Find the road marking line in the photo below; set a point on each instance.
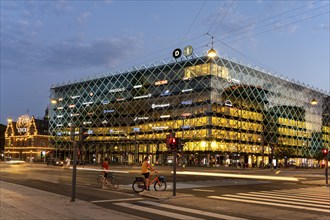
(269, 203)
(116, 200)
(317, 196)
(274, 200)
(302, 191)
(314, 198)
(312, 189)
(285, 198)
(244, 176)
(203, 190)
(156, 211)
(194, 211)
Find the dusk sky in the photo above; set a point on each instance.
(45, 43)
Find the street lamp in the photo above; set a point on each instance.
(324, 151)
(314, 102)
(53, 101)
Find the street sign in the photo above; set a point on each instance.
(177, 53)
(188, 50)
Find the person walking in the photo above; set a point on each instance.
(67, 160)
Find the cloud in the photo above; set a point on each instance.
(63, 7)
(108, 2)
(25, 50)
(102, 52)
(292, 29)
(322, 27)
(9, 5)
(82, 19)
(28, 56)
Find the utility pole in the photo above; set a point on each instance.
(171, 143)
(325, 152)
(74, 170)
(174, 172)
(326, 171)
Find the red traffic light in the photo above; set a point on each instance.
(325, 151)
(172, 141)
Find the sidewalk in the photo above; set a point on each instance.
(20, 202)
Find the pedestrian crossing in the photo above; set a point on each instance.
(156, 208)
(311, 199)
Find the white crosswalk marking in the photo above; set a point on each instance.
(146, 206)
(312, 196)
(284, 197)
(203, 190)
(116, 200)
(195, 211)
(156, 211)
(315, 199)
(250, 196)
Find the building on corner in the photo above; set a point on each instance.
(226, 114)
(28, 139)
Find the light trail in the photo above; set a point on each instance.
(100, 170)
(242, 176)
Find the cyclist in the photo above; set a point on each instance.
(105, 166)
(145, 167)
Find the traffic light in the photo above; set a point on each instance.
(83, 133)
(180, 144)
(171, 141)
(325, 152)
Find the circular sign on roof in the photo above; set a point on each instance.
(177, 53)
(188, 50)
(23, 124)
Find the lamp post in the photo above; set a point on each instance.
(53, 101)
(262, 153)
(136, 149)
(325, 152)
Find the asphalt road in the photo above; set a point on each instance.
(203, 197)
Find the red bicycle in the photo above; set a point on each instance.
(139, 185)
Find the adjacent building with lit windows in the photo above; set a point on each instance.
(226, 114)
(27, 139)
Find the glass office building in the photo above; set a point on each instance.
(226, 114)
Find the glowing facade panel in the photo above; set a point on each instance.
(222, 110)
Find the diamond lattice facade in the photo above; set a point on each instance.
(226, 113)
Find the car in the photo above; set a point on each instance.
(14, 161)
(54, 162)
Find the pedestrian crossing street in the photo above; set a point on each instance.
(155, 208)
(312, 199)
